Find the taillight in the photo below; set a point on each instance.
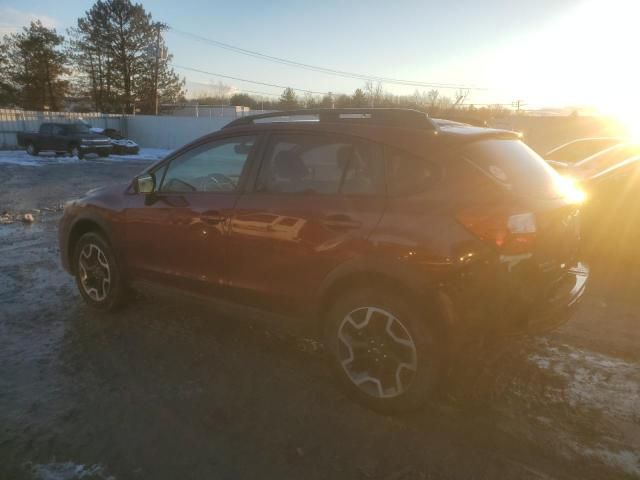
(510, 233)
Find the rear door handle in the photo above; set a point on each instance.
(341, 222)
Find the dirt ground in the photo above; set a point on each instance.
(170, 389)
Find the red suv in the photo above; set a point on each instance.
(392, 234)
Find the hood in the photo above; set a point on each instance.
(91, 136)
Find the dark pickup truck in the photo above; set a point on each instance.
(73, 138)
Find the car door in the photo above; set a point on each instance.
(177, 234)
(312, 207)
(57, 140)
(612, 212)
(45, 137)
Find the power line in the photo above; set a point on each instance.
(315, 68)
(244, 79)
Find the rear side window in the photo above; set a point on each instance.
(408, 174)
(513, 165)
(315, 164)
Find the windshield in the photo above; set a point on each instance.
(515, 166)
(610, 157)
(580, 149)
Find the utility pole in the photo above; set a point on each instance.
(517, 104)
(157, 72)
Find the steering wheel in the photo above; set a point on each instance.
(220, 180)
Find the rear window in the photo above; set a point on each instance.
(515, 166)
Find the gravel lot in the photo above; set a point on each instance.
(170, 389)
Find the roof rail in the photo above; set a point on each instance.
(389, 117)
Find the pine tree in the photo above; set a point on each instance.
(115, 46)
(34, 68)
(8, 92)
(288, 99)
(359, 99)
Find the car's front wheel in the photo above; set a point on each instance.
(75, 151)
(383, 348)
(98, 276)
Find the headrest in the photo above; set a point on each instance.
(288, 165)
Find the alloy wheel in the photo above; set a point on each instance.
(94, 271)
(377, 352)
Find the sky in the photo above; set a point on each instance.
(547, 53)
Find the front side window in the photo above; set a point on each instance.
(214, 167)
(315, 164)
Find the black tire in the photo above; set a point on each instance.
(31, 149)
(417, 374)
(108, 295)
(74, 151)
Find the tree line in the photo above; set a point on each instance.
(114, 61)
(370, 95)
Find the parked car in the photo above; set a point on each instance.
(567, 154)
(391, 236)
(121, 145)
(612, 213)
(73, 138)
(582, 170)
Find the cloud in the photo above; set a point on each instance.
(12, 20)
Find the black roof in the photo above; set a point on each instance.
(375, 118)
(390, 117)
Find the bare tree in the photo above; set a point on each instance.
(374, 92)
(461, 96)
(220, 89)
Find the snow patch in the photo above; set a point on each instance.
(69, 471)
(20, 157)
(594, 380)
(625, 460)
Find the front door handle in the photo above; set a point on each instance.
(341, 222)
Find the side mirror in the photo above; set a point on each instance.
(145, 183)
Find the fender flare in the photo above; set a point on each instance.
(416, 281)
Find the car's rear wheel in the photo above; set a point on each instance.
(31, 149)
(98, 276)
(383, 349)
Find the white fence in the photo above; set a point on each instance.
(147, 130)
(13, 121)
(170, 132)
